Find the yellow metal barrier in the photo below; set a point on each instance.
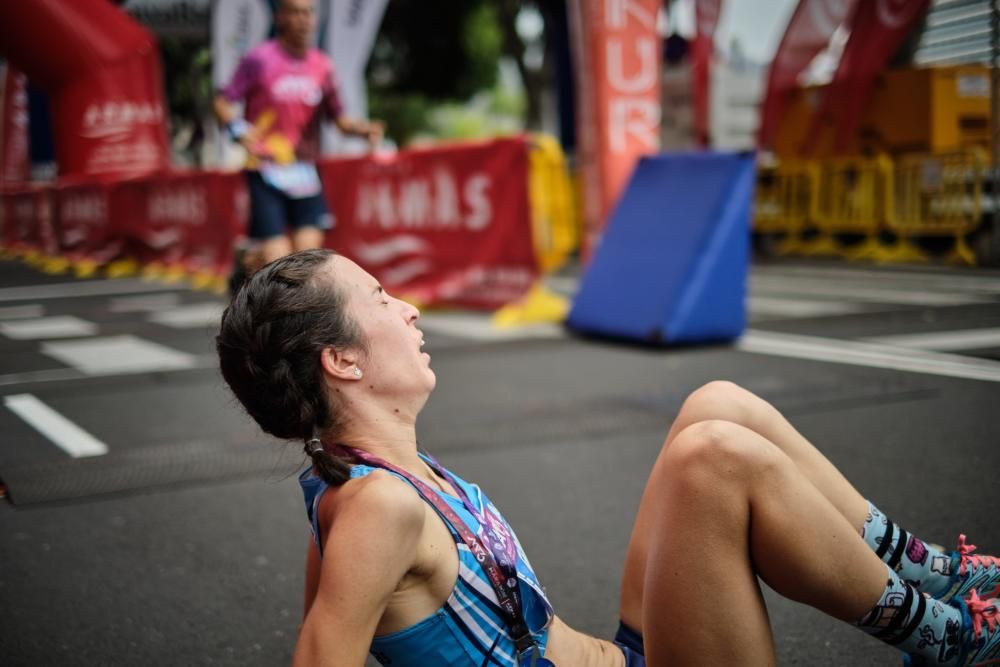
(935, 196)
(553, 208)
(850, 202)
(785, 201)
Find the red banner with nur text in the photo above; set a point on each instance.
(616, 51)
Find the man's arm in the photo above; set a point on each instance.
(239, 130)
(370, 130)
(370, 546)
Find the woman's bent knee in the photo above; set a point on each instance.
(717, 448)
(718, 400)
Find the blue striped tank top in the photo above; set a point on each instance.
(469, 630)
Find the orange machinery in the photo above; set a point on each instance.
(915, 110)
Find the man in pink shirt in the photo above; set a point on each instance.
(285, 84)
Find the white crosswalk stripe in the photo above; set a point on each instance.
(58, 326)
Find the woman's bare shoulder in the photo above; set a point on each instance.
(379, 495)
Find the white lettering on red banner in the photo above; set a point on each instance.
(440, 225)
(186, 206)
(85, 209)
(423, 202)
(112, 119)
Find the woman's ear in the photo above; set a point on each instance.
(340, 364)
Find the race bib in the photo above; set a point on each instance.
(296, 180)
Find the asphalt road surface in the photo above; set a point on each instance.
(147, 522)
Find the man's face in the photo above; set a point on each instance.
(296, 20)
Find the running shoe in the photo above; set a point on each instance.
(970, 571)
(979, 642)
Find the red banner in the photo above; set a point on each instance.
(112, 123)
(617, 61)
(184, 220)
(878, 28)
(27, 220)
(82, 216)
(102, 70)
(15, 162)
(808, 33)
(445, 225)
(702, 50)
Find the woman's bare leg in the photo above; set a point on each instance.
(307, 238)
(729, 402)
(727, 505)
(274, 248)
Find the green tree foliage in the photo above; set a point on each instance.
(435, 54)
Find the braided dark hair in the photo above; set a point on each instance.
(269, 346)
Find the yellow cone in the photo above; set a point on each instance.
(539, 305)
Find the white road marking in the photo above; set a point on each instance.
(873, 355)
(132, 304)
(861, 292)
(80, 289)
(565, 285)
(967, 339)
(768, 306)
(479, 327)
(61, 431)
(22, 312)
(59, 326)
(113, 355)
(192, 316)
(973, 280)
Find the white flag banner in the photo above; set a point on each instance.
(350, 33)
(237, 27)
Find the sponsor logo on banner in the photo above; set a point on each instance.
(438, 201)
(443, 225)
(85, 209)
(184, 205)
(116, 121)
(79, 213)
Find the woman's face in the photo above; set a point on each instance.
(394, 366)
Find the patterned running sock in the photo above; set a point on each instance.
(940, 574)
(918, 563)
(980, 635)
(929, 630)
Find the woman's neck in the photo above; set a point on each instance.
(391, 436)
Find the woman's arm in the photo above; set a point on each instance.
(371, 542)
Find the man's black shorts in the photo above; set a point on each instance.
(271, 210)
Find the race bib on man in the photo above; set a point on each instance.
(297, 179)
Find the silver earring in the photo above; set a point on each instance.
(357, 372)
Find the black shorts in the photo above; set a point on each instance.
(630, 642)
(271, 210)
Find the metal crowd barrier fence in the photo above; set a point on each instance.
(873, 208)
(786, 200)
(848, 214)
(935, 196)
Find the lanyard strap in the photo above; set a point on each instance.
(503, 577)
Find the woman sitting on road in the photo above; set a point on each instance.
(414, 564)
